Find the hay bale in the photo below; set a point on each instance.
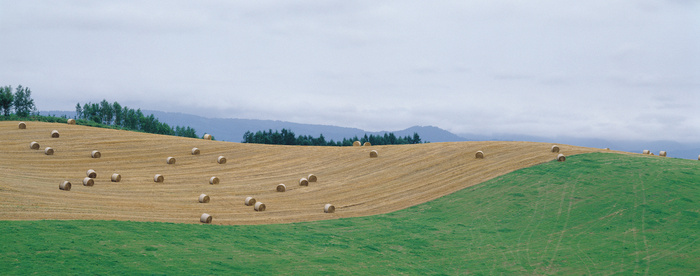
(55, 134)
(329, 208)
(203, 198)
(206, 136)
(312, 178)
(555, 148)
(281, 187)
(195, 151)
(303, 182)
(561, 158)
(116, 177)
(22, 125)
(170, 160)
(71, 121)
(607, 148)
(698, 157)
(249, 201)
(646, 152)
(367, 144)
(91, 173)
(48, 151)
(158, 178)
(65, 185)
(96, 154)
(221, 160)
(34, 145)
(662, 153)
(373, 154)
(205, 218)
(356, 144)
(213, 180)
(259, 206)
(479, 155)
(88, 181)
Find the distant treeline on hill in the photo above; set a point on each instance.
(287, 137)
(126, 118)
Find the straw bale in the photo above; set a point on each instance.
(221, 160)
(195, 151)
(88, 181)
(48, 151)
(214, 180)
(662, 153)
(158, 178)
(303, 182)
(34, 145)
(281, 187)
(96, 154)
(116, 177)
(646, 152)
(71, 121)
(203, 198)
(205, 218)
(329, 208)
(22, 125)
(479, 155)
(312, 178)
(170, 160)
(249, 201)
(55, 134)
(561, 158)
(356, 144)
(367, 144)
(259, 206)
(91, 173)
(373, 154)
(206, 136)
(555, 148)
(65, 185)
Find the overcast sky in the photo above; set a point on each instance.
(627, 69)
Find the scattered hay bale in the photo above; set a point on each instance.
(356, 144)
(561, 158)
(205, 218)
(203, 198)
(55, 134)
(281, 187)
(249, 201)
(329, 208)
(698, 157)
(206, 136)
(34, 145)
(158, 178)
(555, 148)
(65, 185)
(71, 121)
(48, 151)
(367, 144)
(88, 181)
(259, 206)
(373, 154)
(91, 173)
(662, 153)
(651, 153)
(221, 160)
(213, 180)
(116, 177)
(22, 125)
(646, 152)
(96, 154)
(607, 148)
(195, 151)
(303, 182)
(312, 178)
(479, 155)
(170, 160)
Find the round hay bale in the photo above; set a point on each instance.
(158, 178)
(303, 182)
(96, 154)
(561, 158)
(555, 148)
(312, 178)
(356, 144)
(71, 121)
(65, 185)
(329, 208)
(170, 160)
(662, 153)
(88, 181)
(367, 144)
(249, 201)
(213, 180)
(373, 154)
(203, 198)
(195, 151)
(479, 155)
(698, 157)
(607, 148)
(22, 125)
(206, 136)
(116, 177)
(281, 187)
(259, 206)
(55, 134)
(221, 160)
(645, 152)
(34, 145)
(91, 173)
(205, 218)
(48, 151)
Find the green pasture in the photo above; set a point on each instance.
(595, 213)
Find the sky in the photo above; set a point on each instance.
(627, 69)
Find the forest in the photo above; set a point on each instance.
(287, 137)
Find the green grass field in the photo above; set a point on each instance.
(593, 214)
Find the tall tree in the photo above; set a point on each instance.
(6, 99)
(24, 104)
(78, 111)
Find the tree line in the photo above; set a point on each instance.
(114, 114)
(287, 137)
(21, 101)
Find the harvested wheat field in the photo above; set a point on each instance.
(403, 176)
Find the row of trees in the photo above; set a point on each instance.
(114, 114)
(287, 137)
(21, 101)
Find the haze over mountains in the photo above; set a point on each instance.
(232, 130)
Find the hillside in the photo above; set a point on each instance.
(402, 176)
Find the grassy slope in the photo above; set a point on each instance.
(593, 214)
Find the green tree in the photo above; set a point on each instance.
(78, 111)
(24, 104)
(6, 99)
